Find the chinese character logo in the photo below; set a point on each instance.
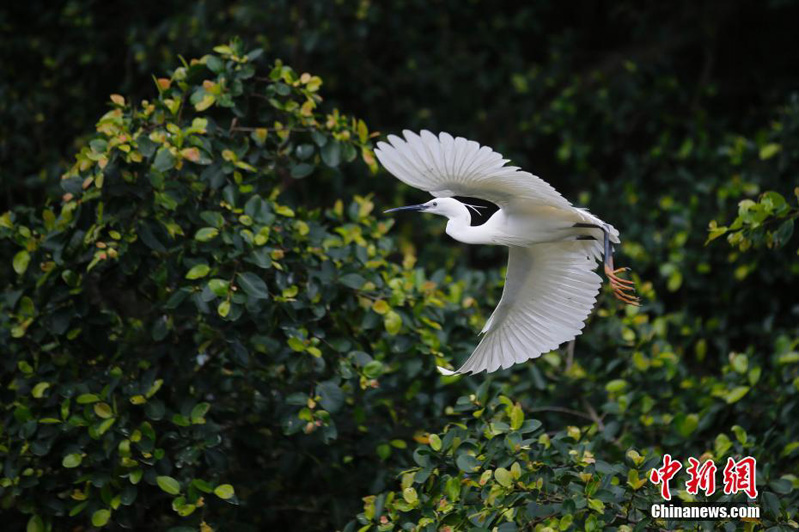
(739, 476)
(703, 477)
(664, 474)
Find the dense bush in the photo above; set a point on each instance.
(707, 367)
(177, 334)
(220, 309)
(485, 71)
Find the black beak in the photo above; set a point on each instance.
(407, 208)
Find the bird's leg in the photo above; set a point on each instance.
(623, 289)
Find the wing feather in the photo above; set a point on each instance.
(550, 290)
(446, 167)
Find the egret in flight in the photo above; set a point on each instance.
(550, 285)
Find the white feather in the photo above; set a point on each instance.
(550, 286)
(550, 290)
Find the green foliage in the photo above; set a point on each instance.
(204, 336)
(768, 221)
(175, 330)
(493, 468)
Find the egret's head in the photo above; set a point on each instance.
(448, 207)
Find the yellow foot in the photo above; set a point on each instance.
(623, 289)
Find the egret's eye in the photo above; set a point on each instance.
(435, 204)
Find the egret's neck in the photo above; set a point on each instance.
(459, 225)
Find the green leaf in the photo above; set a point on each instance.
(224, 308)
(686, 424)
(739, 362)
(87, 398)
(202, 485)
(721, 445)
(224, 491)
(783, 234)
(788, 358)
(516, 417)
(219, 287)
(168, 484)
(301, 170)
(72, 460)
(103, 410)
(392, 322)
(331, 397)
(253, 285)
(205, 234)
(769, 150)
(783, 486)
(35, 524)
(296, 344)
(383, 451)
(736, 394)
(164, 160)
(101, 517)
(103, 427)
(373, 369)
(352, 280)
(467, 463)
(504, 477)
(199, 411)
(197, 272)
(771, 503)
(453, 488)
(435, 442)
(39, 389)
(616, 385)
(596, 505)
(740, 433)
(331, 153)
(21, 261)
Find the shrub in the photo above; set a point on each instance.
(180, 339)
(211, 328)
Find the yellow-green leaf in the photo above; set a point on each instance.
(168, 484)
(35, 524)
(769, 150)
(72, 460)
(199, 271)
(736, 394)
(381, 307)
(101, 517)
(516, 417)
(224, 491)
(207, 101)
(39, 389)
(21, 261)
(504, 477)
(103, 410)
(296, 344)
(392, 322)
(205, 234)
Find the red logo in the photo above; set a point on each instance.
(703, 477)
(664, 474)
(738, 476)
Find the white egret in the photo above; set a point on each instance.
(550, 286)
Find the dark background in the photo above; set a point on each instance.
(483, 70)
(659, 116)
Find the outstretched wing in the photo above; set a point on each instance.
(446, 166)
(550, 289)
